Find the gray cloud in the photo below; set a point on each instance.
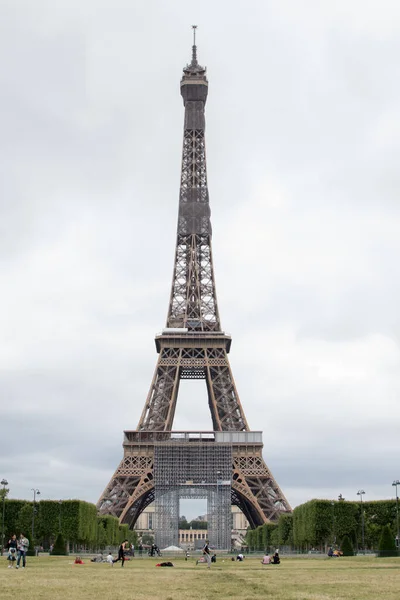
(303, 148)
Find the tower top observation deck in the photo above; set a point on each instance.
(194, 84)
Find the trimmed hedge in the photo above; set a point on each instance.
(319, 523)
(387, 545)
(80, 524)
(347, 546)
(60, 547)
(11, 517)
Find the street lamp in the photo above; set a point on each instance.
(35, 492)
(59, 515)
(361, 493)
(333, 523)
(4, 482)
(219, 511)
(395, 484)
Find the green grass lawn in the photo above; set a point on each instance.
(53, 578)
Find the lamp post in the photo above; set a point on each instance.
(219, 511)
(4, 482)
(333, 523)
(59, 516)
(361, 493)
(35, 492)
(395, 484)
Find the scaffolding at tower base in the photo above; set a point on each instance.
(193, 469)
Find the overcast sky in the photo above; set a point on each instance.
(303, 140)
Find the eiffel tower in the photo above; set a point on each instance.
(226, 465)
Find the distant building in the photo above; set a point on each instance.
(192, 538)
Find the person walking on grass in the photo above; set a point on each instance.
(207, 554)
(12, 551)
(23, 545)
(121, 553)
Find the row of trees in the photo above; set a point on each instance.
(77, 521)
(321, 523)
(193, 524)
(271, 535)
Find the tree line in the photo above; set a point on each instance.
(77, 521)
(321, 523)
(193, 524)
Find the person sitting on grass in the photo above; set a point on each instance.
(110, 559)
(266, 559)
(78, 561)
(275, 559)
(98, 558)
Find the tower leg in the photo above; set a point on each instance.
(159, 409)
(130, 489)
(255, 490)
(224, 402)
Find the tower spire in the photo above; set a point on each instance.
(194, 47)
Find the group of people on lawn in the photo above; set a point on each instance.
(17, 549)
(273, 560)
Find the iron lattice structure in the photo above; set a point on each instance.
(192, 346)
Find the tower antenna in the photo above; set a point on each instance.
(194, 48)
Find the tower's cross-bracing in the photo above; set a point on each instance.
(226, 465)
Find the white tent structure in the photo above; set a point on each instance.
(172, 549)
